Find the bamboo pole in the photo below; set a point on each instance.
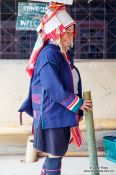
(91, 138)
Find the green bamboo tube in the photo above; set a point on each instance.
(91, 138)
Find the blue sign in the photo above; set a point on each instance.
(27, 23)
(32, 9)
(29, 15)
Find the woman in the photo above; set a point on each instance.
(52, 102)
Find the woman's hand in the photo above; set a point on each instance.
(87, 105)
(80, 118)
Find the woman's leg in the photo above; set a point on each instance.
(50, 141)
(52, 165)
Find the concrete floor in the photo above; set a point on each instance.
(14, 165)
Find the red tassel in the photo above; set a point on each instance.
(76, 138)
(21, 121)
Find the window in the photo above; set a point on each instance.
(13, 44)
(92, 42)
(96, 26)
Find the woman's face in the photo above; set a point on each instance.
(67, 37)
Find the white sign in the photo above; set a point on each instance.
(69, 2)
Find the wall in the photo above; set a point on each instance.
(97, 76)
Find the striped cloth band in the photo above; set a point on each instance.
(73, 103)
(76, 136)
(57, 170)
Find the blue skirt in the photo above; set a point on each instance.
(53, 141)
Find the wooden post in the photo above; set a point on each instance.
(31, 153)
(91, 138)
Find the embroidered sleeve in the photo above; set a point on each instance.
(51, 80)
(73, 103)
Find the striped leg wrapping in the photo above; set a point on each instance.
(53, 166)
(53, 172)
(43, 172)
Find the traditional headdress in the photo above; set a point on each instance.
(53, 26)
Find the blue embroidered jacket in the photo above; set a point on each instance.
(51, 96)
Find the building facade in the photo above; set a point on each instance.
(96, 30)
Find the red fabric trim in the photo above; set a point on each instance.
(76, 138)
(74, 102)
(32, 61)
